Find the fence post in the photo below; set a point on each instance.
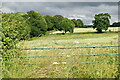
(93, 51)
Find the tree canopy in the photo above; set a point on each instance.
(75, 22)
(38, 23)
(56, 20)
(49, 20)
(78, 23)
(101, 21)
(66, 25)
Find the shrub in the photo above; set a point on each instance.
(14, 28)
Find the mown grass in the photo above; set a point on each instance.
(51, 64)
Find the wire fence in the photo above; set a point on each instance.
(74, 55)
(71, 55)
(71, 47)
(87, 62)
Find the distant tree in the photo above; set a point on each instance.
(66, 25)
(79, 23)
(116, 24)
(37, 22)
(101, 21)
(75, 22)
(49, 20)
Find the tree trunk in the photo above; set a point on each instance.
(99, 31)
(65, 31)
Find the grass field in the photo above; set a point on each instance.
(67, 63)
(76, 30)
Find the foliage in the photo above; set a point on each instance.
(88, 26)
(37, 23)
(14, 28)
(116, 24)
(101, 21)
(49, 20)
(75, 22)
(56, 20)
(78, 23)
(66, 25)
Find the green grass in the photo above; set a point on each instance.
(69, 40)
(73, 67)
(33, 38)
(82, 30)
(69, 66)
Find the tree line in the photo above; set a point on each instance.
(115, 24)
(40, 24)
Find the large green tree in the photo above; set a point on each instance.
(101, 21)
(66, 25)
(37, 23)
(49, 20)
(56, 20)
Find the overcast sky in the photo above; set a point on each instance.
(79, 10)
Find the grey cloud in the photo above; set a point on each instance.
(82, 10)
(60, 0)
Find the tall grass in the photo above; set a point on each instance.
(69, 66)
(52, 65)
